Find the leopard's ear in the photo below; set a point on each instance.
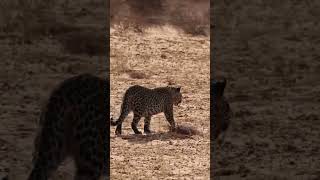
(178, 89)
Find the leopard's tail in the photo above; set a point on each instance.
(125, 110)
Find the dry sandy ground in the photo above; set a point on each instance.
(269, 52)
(152, 60)
(29, 72)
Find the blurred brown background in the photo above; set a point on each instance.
(269, 52)
(191, 16)
(42, 42)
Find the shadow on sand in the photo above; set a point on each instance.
(163, 136)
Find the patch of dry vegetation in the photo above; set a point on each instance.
(191, 16)
(188, 130)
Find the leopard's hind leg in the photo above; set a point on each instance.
(147, 121)
(90, 156)
(135, 121)
(49, 153)
(125, 110)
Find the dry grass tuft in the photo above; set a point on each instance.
(187, 130)
(136, 74)
(170, 82)
(121, 66)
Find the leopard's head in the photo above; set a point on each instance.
(217, 86)
(176, 95)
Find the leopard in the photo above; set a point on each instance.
(74, 123)
(144, 103)
(221, 111)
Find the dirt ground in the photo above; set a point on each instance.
(33, 63)
(269, 52)
(153, 59)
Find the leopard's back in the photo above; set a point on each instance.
(145, 101)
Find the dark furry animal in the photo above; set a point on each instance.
(221, 111)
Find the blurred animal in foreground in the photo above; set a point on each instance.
(73, 124)
(221, 112)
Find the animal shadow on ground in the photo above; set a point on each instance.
(163, 136)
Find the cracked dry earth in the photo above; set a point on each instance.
(153, 59)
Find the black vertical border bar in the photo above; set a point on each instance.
(211, 79)
(107, 91)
